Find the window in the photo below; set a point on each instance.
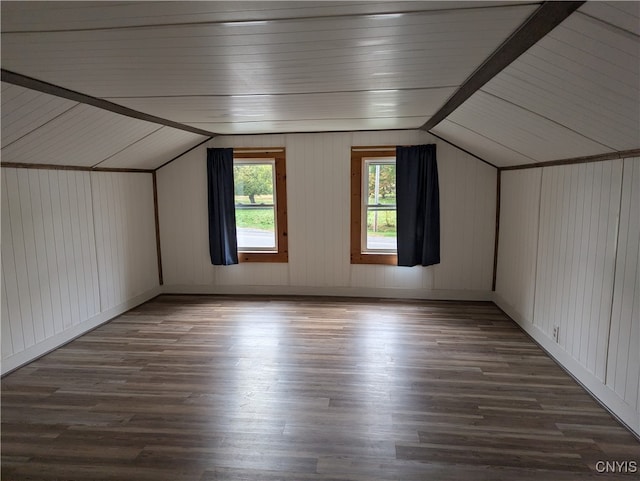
(259, 177)
(373, 205)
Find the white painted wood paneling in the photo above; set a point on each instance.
(52, 245)
(64, 15)
(311, 126)
(318, 66)
(574, 93)
(318, 187)
(350, 53)
(313, 67)
(485, 148)
(54, 278)
(182, 199)
(584, 76)
(521, 130)
(82, 136)
(518, 246)
(7, 335)
(298, 112)
(125, 235)
(577, 246)
(155, 149)
(467, 221)
(49, 272)
(16, 234)
(586, 279)
(293, 107)
(11, 292)
(625, 15)
(318, 179)
(623, 366)
(24, 110)
(31, 255)
(68, 249)
(58, 212)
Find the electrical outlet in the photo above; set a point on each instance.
(556, 333)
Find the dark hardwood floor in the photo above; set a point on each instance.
(246, 388)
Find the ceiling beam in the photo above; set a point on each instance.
(548, 16)
(618, 154)
(81, 168)
(51, 89)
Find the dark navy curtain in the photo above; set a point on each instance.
(223, 244)
(418, 205)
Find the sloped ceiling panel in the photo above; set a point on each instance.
(485, 148)
(296, 60)
(83, 136)
(575, 93)
(522, 131)
(584, 75)
(154, 150)
(24, 110)
(625, 15)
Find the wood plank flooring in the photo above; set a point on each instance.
(202, 388)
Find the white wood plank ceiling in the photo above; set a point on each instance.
(575, 93)
(38, 128)
(272, 67)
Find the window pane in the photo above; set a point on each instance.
(381, 206)
(253, 183)
(381, 183)
(255, 227)
(381, 228)
(255, 210)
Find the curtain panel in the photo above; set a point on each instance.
(223, 244)
(418, 205)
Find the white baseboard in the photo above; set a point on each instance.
(614, 403)
(380, 293)
(48, 345)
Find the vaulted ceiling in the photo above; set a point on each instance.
(134, 84)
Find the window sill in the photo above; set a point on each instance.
(263, 257)
(385, 259)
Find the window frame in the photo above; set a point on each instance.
(358, 235)
(278, 156)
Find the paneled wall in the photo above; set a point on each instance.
(519, 209)
(576, 247)
(72, 255)
(623, 364)
(568, 259)
(49, 268)
(318, 188)
(125, 236)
